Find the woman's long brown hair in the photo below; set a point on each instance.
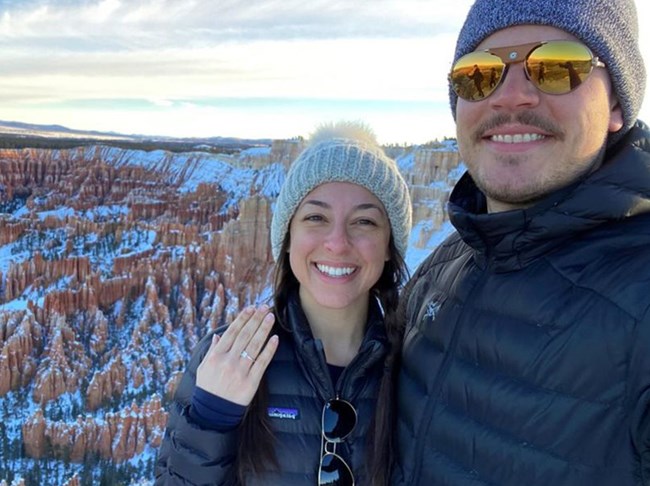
(256, 450)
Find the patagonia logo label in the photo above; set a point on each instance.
(283, 413)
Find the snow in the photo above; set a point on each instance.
(10, 253)
(60, 213)
(135, 242)
(406, 162)
(21, 212)
(204, 167)
(15, 305)
(272, 178)
(256, 151)
(103, 213)
(415, 256)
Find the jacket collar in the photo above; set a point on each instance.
(311, 357)
(299, 326)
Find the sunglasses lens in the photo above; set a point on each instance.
(339, 418)
(559, 67)
(476, 75)
(334, 472)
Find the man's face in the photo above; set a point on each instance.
(520, 144)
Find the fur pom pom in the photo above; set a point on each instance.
(348, 130)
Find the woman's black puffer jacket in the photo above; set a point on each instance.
(299, 384)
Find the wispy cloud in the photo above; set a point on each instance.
(228, 48)
(231, 46)
(166, 22)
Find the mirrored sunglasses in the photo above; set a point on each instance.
(554, 67)
(338, 421)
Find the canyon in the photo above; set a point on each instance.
(114, 263)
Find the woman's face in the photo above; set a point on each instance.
(339, 243)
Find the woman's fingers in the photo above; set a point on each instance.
(235, 362)
(260, 336)
(212, 350)
(249, 330)
(233, 330)
(264, 358)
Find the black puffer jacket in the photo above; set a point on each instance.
(298, 381)
(526, 360)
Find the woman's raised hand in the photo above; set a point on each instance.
(234, 364)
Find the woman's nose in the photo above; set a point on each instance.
(337, 239)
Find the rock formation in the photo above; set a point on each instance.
(119, 268)
(119, 436)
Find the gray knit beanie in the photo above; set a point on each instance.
(608, 27)
(344, 152)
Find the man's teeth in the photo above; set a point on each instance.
(335, 271)
(518, 138)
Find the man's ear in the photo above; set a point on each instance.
(615, 115)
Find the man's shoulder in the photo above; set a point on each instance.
(450, 249)
(439, 267)
(613, 262)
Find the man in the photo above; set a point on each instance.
(526, 357)
(477, 77)
(540, 73)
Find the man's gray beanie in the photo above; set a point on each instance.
(344, 152)
(608, 27)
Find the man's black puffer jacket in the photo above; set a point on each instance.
(298, 381)
(526, 358)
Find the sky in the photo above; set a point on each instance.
(234, 68)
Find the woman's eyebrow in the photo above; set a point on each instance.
(316, 202)
(369, 206)
(359, 207)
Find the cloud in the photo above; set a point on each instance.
(186, 49)
(330, 69)
(189, 22)
(169, 54)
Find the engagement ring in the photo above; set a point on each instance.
(245, 355)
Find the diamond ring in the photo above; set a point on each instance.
(245, 355)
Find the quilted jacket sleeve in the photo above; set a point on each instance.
(189, 454)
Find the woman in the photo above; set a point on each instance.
(313, 403)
